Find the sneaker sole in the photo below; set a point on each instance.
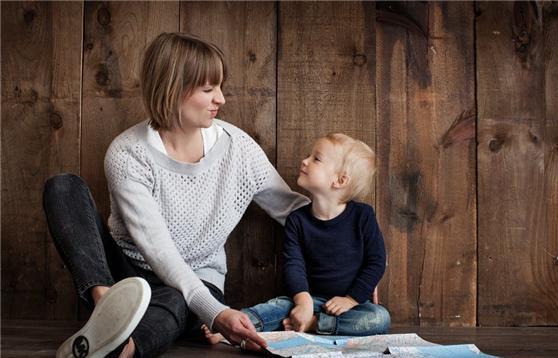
(113, 320)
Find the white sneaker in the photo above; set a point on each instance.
(113, 320)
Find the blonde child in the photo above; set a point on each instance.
(334, 250)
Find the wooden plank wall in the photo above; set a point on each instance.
(41, 116)
(426, 183)
(458, 99)
(517, 163)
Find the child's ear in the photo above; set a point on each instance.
(341, 181)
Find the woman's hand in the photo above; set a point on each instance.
(339, 305)
(235, 326)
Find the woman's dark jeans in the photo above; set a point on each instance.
(94, 258)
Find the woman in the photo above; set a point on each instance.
(179, 183)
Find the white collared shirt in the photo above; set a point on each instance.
(209, 136)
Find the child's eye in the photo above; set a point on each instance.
(208, 90)
(317, 159)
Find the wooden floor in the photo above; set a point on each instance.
(41, 338)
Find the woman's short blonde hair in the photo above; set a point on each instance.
(173, 65)
(358, 163)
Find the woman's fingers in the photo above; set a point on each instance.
(251, 346)
(236, 326)
(251, 332)
(252, 336)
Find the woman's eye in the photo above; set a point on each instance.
(208, 90)
(317, 159)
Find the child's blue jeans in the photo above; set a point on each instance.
(362, 320)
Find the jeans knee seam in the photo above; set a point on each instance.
(260, 320)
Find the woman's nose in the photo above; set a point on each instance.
(305, 162)
(219, 97)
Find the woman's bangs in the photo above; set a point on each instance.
(212, 70)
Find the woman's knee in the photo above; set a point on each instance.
(63, 185)
(163, 322)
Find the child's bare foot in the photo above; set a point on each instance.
(288, 324)
(212, 338)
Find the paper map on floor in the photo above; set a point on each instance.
(302, 345)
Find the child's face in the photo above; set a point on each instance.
(199, 109)
(319, 170)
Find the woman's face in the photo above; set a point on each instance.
(199, 109)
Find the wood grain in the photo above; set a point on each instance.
(517, 87)
(40, 137)
(325, 77)
(426, 183)
(246, 33)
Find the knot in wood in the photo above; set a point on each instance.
(29, 16)
(102, 75)
(359, 59)
(252, 56)
(522, 41)
(55, 120)
(495, 144)
(103, 16)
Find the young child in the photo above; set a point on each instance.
(334, 250)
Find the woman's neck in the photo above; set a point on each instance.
(327, 208)
(183, 144)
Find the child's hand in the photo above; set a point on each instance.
(339, 305)
(301, 317)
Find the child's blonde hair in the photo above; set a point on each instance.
(358, 163)
(173, 65)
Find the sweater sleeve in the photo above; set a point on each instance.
(374, 263)
(131, 192)
(296, 279)
(273, 194)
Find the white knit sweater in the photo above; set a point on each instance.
(174, 218)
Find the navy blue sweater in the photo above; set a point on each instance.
(337, 257)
